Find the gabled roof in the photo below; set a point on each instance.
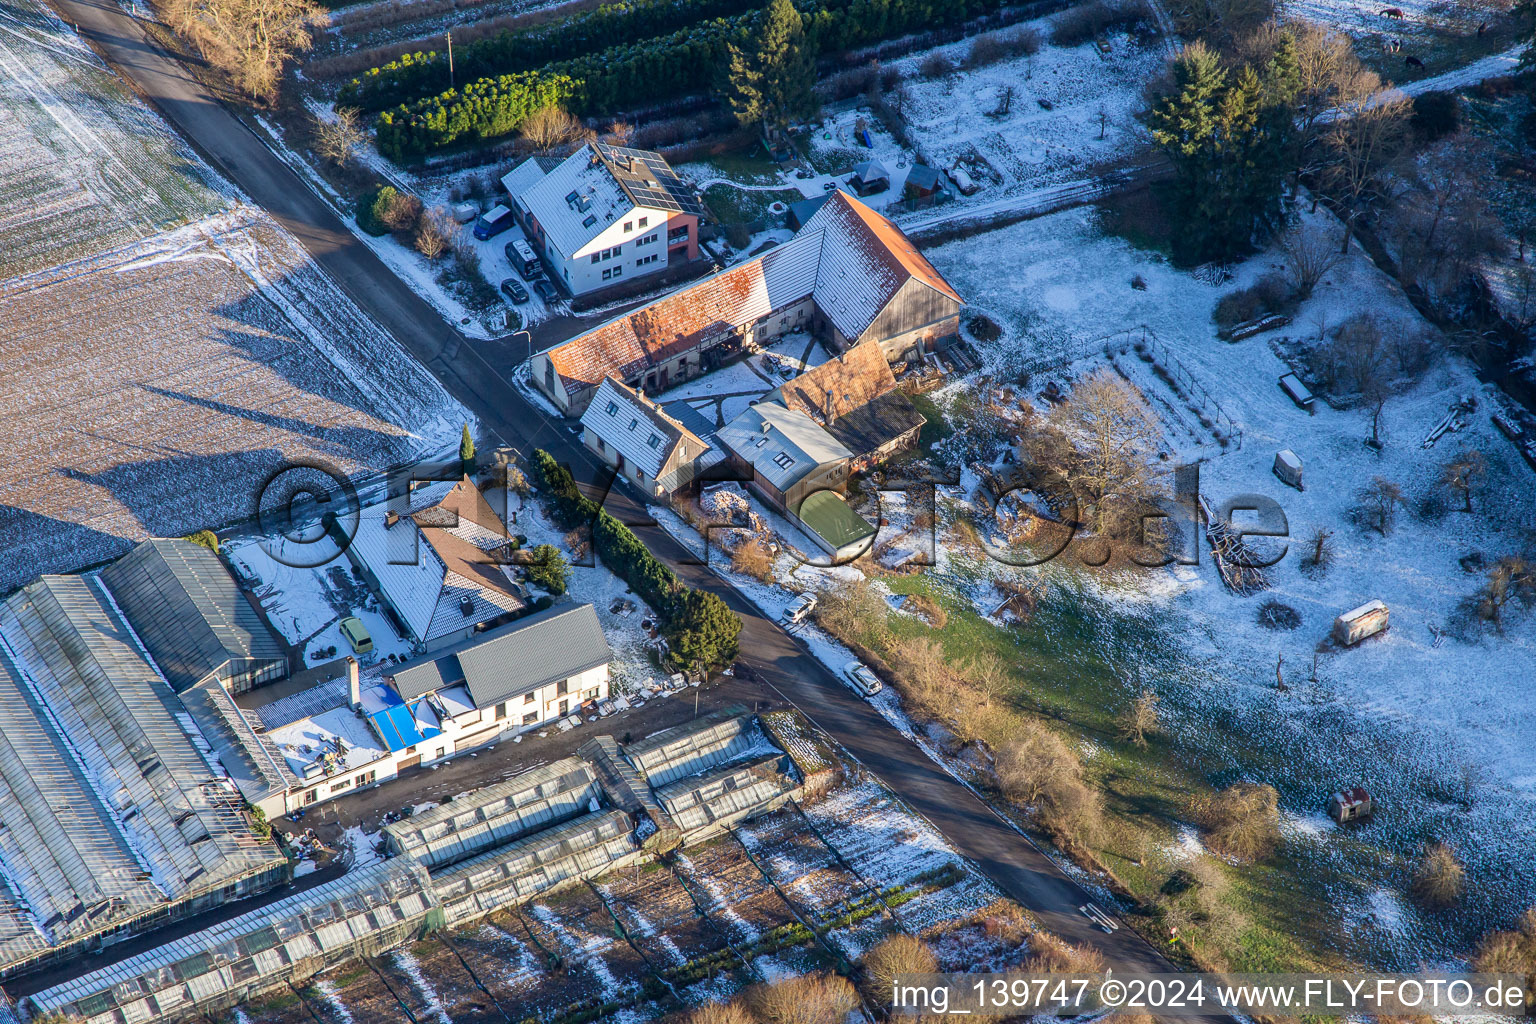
(629, 345)
(849, 258)
(188, 610)
(864, 262)
(597, 185)
(840, 385)
(784, 446)
(523, 177)
(826, 514)
(871, 170)
(870, 427)
(513, 659)
(636, 427)
(437, 555)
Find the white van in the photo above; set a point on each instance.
(525, 262)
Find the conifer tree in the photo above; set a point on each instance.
(467, 450)
(773, 83)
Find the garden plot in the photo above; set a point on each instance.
(1064, 99)
(1431, 715)
(432, 982)
(84, 166)
(661, 919)
(598, 967)
(825, 892)
(280, 1009)
(893, 848)
(506, 963)
(741, 901)
(153, 390)
(360, 994)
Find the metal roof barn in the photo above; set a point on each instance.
(488, 817)
(192, 617)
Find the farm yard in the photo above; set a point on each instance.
(258, 361)
(793, 892)
(84, 167)
(1072, 302)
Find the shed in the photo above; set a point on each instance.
(839, 530)
(1350, 805)
(1359, 623)
(1288, 468)
(923, 181)
(870, 177)
(1296, 390)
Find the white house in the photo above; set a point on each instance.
(656, 452)
(606, 215)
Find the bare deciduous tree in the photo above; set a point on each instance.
(1438, 877)
(1140, 719)
(1380, 500)
(1105, 441)
(1319, 547)
(249, 40)
(1463, 473)
(550, 128)
(1508, 578)
(338, 138)
(1367, 129)
(433, 232)
(1241, 822)
(1309, 254)
(810, 999)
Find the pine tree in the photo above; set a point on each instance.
(773, 83)
(1227, 135)
(467, 450)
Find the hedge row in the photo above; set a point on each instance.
(699, 626)
(485, 109)
(413, 75)
(639, 74)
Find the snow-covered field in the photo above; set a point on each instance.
(153, 389)
(84, 166)
(167, 347)
(1072, 108)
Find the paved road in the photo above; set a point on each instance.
(1014, 864)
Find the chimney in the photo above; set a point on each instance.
(354, 684)
(830, 415)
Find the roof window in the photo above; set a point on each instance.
(613, 408)
(589, 221)
(654, 441)
(783, 460)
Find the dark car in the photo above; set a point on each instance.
(513, 289)
(547, 291)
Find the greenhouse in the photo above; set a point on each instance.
(688, 749)
(706, 804)
(587, 847)
(497, 814)
(362, 913)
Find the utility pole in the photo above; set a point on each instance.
(449, 36)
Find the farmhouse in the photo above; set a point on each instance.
(606, 215)
(435, 557)
(111, 819)
(849, 276)
(854, 397)
(653, 450)
(192, 617)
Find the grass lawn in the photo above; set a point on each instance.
(739, 206)
(1068, 664)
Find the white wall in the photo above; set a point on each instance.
(581, 275)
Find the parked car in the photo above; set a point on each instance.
(494, 221)
(513, 289)
(520, 254)
(356, 634)
(863, 680)
(801, 609)
(547, 291)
